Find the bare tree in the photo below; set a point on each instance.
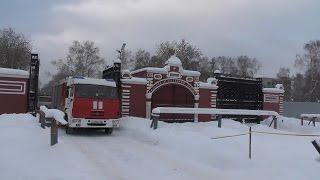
(247, 67)
(226, 65)
(15, 49)
(142, 59)
(83, 59)
(283, 77)
(310, 63)
(189, 54)
(241, 66)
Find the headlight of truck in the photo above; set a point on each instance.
(76, 120)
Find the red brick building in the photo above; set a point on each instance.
(173, 86)
(13, 90)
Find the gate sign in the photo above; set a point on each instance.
(271, 98)
(158, 84)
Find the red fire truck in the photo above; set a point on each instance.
(88, 103)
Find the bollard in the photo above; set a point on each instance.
(275, 125)
(54, 132)
(42, 120)
(219, 121)
(250, 142)
(154, 121)
(301, 121)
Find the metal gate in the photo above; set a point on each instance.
(239, 93)
(173, 96)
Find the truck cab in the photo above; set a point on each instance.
(88, 103)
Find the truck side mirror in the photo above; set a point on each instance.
(67, 92)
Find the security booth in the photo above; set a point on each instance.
(13, 90)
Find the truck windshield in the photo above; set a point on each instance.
(96, 91)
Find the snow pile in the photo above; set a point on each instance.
(54, 113)
(310, 115)
(177, 110)
(7, 72)
(173, 61)
(174, 151)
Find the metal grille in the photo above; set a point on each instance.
(239, 93)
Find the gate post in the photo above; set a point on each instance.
(275, 120)
(196, 116)
(148, 105)
(54, 132)
(219, 121)
(154, 122)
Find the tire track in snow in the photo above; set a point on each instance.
(103, 164)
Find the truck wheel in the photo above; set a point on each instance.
(108, 130)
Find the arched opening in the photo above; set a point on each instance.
(173, 95)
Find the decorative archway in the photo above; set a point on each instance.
(174, 92)
(164, 82)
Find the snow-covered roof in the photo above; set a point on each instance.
(190, 73)
(217, 71)
(278, 89)
(151, 69)
(17, 73)
(135, 80)
(205, 85)
(117, 60)
(165, 71)
(173, 61)
(86, 80)
(272, 90)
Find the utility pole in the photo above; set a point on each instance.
(121, 51)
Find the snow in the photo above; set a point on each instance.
(151, 69)
(54, 113)
(190, 73)
(117, 60)
(170, 110)
(278, 89)
(86, 80)
(217, 71)
(135, 80)
(310, 115)
(204, 85)
(174, 151)
(7, 72)
(174, 61)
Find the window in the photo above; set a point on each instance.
(158, 76)
(189, 79)
(174, 74)
(96, 91)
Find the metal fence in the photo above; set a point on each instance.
(295, 109)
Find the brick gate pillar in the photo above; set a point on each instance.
(273, 98)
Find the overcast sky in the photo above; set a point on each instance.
(273, 31)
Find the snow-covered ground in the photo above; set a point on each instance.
(174, 151)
